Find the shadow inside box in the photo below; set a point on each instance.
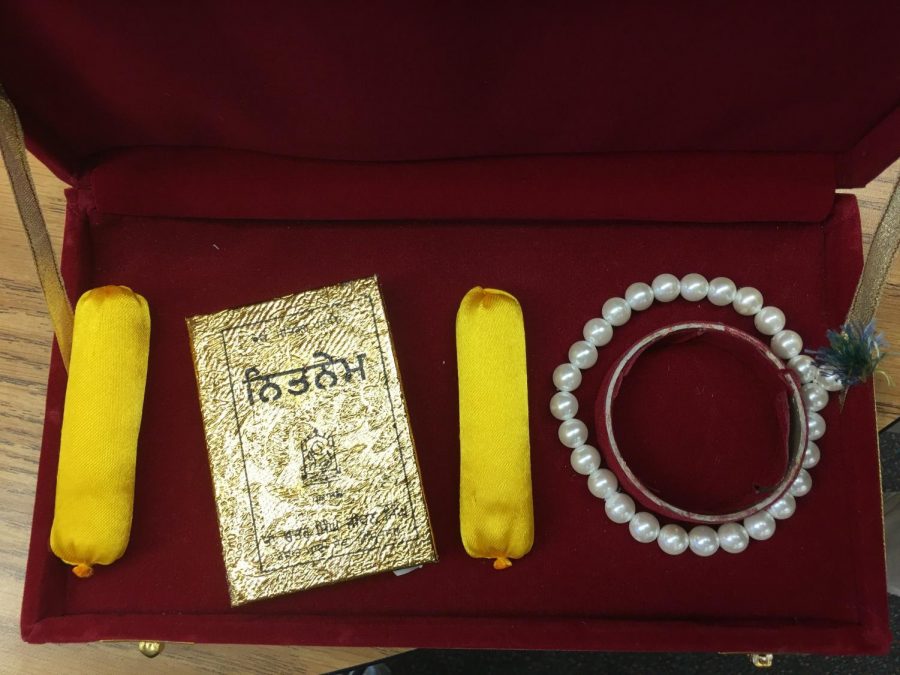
(889, 441)
(440, 661)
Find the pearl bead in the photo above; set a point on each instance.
(583, 354)
(563, 405)
(598, 332)
(760, 526)
(721, 291)
(620, 508)
(639, 296)
(805, 367)
(603, 483)
(769, 320)
(566, 377)
(673, 539)
(733, 538)
(786, 344)
(694, 287)
(814, 396)
(585, 459)
(747, 301)
(830, 381)
(644, 527)
(802, 484)
(783, 508)
(816, 424)
(704, 540)
(573, 433)
(812, 455)
(666, 287)
(616, 311)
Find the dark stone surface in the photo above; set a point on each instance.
(440, 661)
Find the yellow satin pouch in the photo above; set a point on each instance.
(101, 421)
(496, 516)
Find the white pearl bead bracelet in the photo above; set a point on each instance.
(702, 540)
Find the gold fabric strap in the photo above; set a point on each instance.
(12, 145)
(884, 245)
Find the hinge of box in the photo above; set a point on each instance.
(762, 660)
(151, 648)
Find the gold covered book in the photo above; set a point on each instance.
(311, 452)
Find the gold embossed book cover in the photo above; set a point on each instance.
(312, 456)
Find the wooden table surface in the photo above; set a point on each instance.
(25, 334)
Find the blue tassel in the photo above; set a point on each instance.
(853, 353)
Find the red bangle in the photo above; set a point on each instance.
(792, 414)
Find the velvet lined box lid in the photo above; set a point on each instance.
(412, 81)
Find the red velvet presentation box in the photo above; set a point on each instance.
(222, 154)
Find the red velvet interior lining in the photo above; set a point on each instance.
(586, 584)
(702, 422)
(418, 80)
(203, 183)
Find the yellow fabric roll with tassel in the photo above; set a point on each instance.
(101, 421)
(496, 515)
